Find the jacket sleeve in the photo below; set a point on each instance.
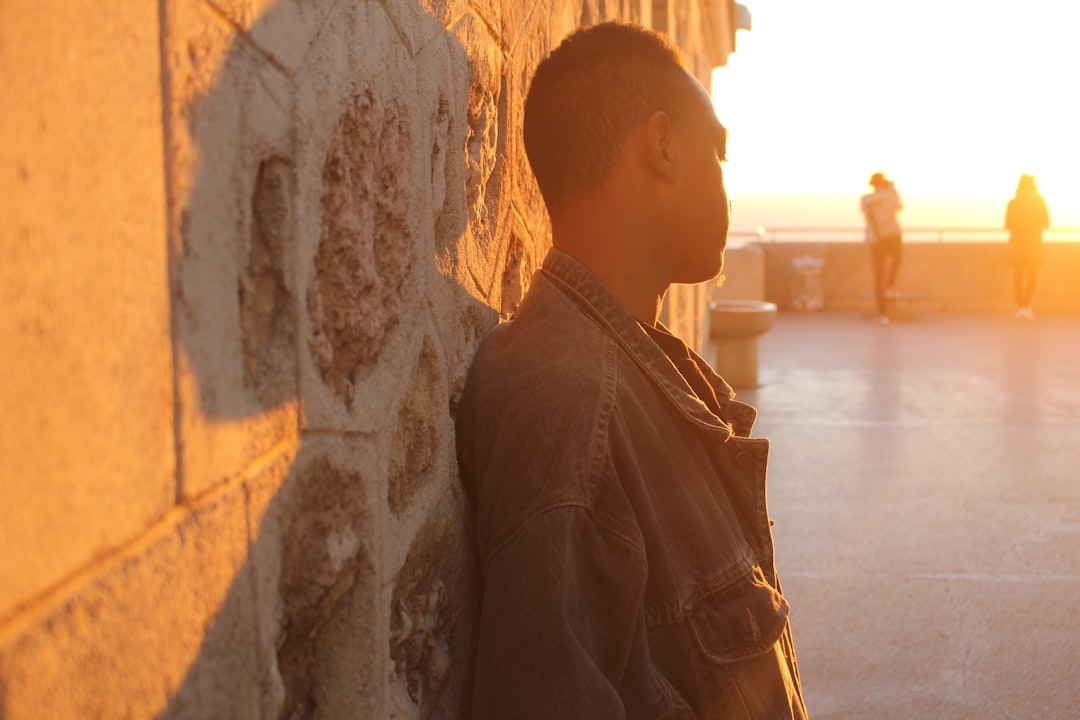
(562, 627)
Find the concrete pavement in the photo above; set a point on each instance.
(924, 483)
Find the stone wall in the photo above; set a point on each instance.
(248, 249)
(950, 276)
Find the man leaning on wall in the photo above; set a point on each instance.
(620, 502)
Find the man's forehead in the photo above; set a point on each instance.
(712, 125)
(703, 105)
(717, 127)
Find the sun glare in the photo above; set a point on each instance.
(953, 100)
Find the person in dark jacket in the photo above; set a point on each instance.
(621, 521)
(1026, 217)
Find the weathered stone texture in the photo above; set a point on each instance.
(507, 19)
(527, 201)
(164, 629)
(266, 516)
(441, 70)
(518, 265)
(459, 323)
(415, 26)
(417, 437)
(482, 142)
(364, 160)
(366, 245)
(433, 620)
(470, 257)
(232, 234)
(267, 308)
(328, 640)
(284, 29)
(86, 431)
(444, 12)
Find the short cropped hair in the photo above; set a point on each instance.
(588, 95)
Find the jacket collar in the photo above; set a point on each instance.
(590, 295)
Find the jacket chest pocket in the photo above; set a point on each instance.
(744, 619)
(746, 666)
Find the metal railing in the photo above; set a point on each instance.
(911, 234)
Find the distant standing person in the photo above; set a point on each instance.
(1025, 218)
(884, 236)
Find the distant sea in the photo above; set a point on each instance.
(805, 216)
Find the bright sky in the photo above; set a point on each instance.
(952, 99)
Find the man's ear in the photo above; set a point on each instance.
(659, 147)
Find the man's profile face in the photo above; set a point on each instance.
(700, 226)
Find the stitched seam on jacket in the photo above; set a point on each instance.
(600, 451)
(598, 446)
(756, 650)
(616, 527)
(559, 506)
(657, 615)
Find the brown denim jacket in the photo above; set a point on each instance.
(621, 526)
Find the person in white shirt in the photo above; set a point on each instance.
(885, 237)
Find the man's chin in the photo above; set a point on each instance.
(704, 272)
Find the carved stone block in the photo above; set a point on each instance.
(366, 248)
(233, 236)
(433, 621)
(328, 554)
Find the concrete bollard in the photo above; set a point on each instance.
(734, 329)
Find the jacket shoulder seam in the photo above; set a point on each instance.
(596, 518)
(598, 452)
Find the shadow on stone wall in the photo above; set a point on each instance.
(345, 175)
